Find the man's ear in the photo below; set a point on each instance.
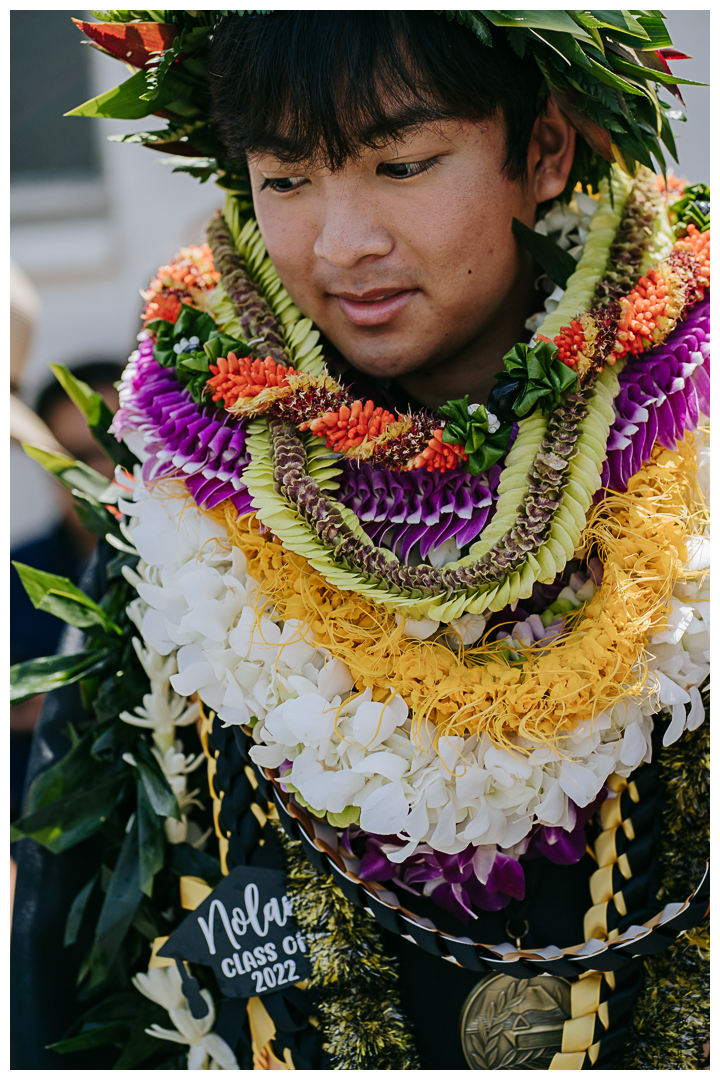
(550, 154)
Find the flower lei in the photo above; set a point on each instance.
(397, 699)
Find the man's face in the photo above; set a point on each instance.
(406, 257)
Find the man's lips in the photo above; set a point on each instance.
(374, 307)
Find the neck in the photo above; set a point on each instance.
(472, 370)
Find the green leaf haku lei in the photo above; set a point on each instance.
(599, 68)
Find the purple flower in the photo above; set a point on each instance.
(452, 881)
(401, 509)
(202, 446)
(662, 393)
(475, 877)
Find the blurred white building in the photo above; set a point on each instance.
(92, 220)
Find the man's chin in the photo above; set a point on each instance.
(383, 359)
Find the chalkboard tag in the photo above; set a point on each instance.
(245, 931)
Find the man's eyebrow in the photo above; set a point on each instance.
(393, 128)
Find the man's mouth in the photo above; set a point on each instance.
(374, 307)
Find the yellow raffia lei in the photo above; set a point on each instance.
(641, 537)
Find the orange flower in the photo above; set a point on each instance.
(245, 378)
(351, 426)
(438, 455)
(164, 306)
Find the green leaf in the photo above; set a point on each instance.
(93, 1036)
(619, 20)
(653, 24)
(160, 795)
(195, 361)
(187, 860)
(94, 516)
(124, 102)
(98, 415)
(74, 474)
(77, 911)
(556, 263)
(193, 323)
(88, 401)
(139, 1045)
(652, 73)
(151, 841)
(58, 596)
(50, 672)
(474, 21)
(68, 820)
(559, 21)
(121, 902)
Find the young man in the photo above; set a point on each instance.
(443, 709)
(386, 174)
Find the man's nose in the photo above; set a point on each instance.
(350, 231)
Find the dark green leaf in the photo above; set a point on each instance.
(635, 70)
(194, 361)
(151, 841)
(121, 902)
(64, 777)
(139, 1045)
(556, 263)
(58, 596)
(94, 516)
(474, 21)
(116, 451)
(93, 1036)
(620, 20)
(77, 911)
(185, 859)
(68, 820)
(49, 672)
(653, 24)
(160, 794)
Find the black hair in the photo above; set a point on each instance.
(96, 373)
(319, 85)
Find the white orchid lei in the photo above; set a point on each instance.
(341, 749)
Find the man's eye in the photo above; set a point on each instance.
(282, 184)
(403, 170)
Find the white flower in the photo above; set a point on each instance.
(186, 345)
(201, 610)
(493, 422)
(164, 986)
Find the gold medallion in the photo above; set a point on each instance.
(511, 1023)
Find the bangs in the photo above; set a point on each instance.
(318, 87)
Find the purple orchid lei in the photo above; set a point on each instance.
(405, 508)
(662, 394)
(206, 448)
(477, 877)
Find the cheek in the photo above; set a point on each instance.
(289, 238)
(471, 249)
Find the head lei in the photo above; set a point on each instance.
(602, 68)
